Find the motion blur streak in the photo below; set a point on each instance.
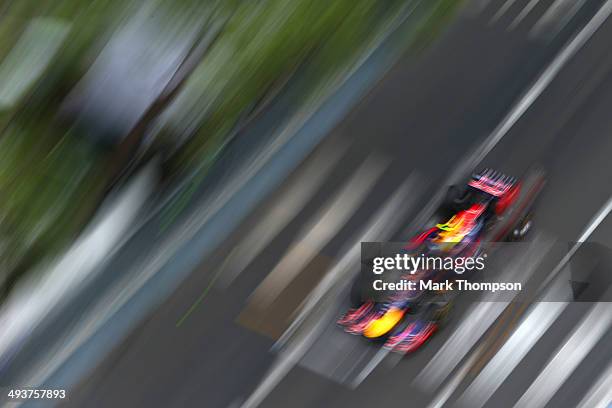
(298, 339)
(372, 364)
(30, 304)
(449, 388)
(285, 362)
(29, 58)
(478, 319)
(567, 358)
(276, 137)
(510, 355)
(541, 84)
(600, 394)
(482, 316)
(502, 10)
(557, 15)
(329, 221)
(517, 20)
(533, 326)
(284, 210)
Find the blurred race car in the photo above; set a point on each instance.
(490, 207)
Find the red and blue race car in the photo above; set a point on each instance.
(490, 207)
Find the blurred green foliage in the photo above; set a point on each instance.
(52, 177)
(262, 45)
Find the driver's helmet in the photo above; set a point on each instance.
(462, 227)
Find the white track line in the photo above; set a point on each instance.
(600, 394)
(533, 327)
(372, 364)
(582, 340)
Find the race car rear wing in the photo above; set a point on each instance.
(492, 182)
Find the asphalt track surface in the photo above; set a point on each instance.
(424, 117)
